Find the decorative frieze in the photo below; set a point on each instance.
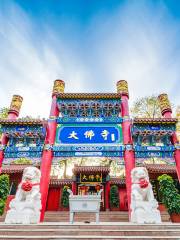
(89, 109)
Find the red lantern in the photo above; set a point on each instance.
(98, 187)
(82, 188)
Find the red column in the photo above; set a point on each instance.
(129, 156)
(177, 159)
(166, 111)
(175, 142)
(49, 141)
(129, 159)
(13, 113)
(4, 141)
(107, 195)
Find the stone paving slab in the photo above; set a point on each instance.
(88, 237)
(90, 230)
(94, 224)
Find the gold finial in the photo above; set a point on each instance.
(58, 87)
(122, 87)
(164, 103)
(16, 104)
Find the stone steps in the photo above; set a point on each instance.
(90, 231)
(113, 225)
(119, 216)
(102, 232)
(100, 226)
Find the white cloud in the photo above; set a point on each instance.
(140, 43)
(28, 68)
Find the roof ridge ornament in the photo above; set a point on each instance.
(122, 87)
(16, 104)
(58, 87)
(164, 103)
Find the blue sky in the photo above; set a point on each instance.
(90, 44)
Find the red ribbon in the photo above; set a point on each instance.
(143, 183)
(27, 186)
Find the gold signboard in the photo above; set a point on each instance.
(91, 178)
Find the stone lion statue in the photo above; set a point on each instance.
(143, 204)
(25, 207)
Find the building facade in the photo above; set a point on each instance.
(89, 142)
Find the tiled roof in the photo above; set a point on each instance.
(57, 182)
(89, 95)
(155, 120)
(160, 168)
(117, 181)
(15, 168)
(152, 168)
(90, 169)
(22, 121)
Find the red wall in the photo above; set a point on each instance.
(123, 199)
(53, 200)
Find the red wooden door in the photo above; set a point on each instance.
(53, 199)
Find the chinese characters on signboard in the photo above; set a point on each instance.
(88, 178)
(90, 134)
(77, 135)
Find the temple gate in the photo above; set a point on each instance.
(93, 127)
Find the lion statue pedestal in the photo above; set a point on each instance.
(143, 204)
(25, 207)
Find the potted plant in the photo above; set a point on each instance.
(162, 207)
(65, 199)
(114, 198)
(170, 196)
(4, 190)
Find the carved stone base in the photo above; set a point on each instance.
(145, 212)
(26, 216)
